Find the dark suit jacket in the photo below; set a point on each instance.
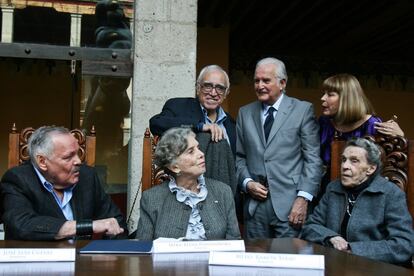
(186, 112)
(30, 212)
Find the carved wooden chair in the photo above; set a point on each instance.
(397, 162)
(18, 149)
(151, 174)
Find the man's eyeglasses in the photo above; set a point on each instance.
(208, 88)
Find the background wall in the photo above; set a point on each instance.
(28, 89)
(389, 99)
(213, 48)
(390, 94)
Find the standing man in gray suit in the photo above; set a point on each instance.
(277, 156)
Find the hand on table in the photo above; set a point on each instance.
(339, 243)
(107, 226)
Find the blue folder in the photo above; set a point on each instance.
(117, 247)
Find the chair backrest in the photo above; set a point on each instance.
(397, 161)
(18, 149)
(151, 174)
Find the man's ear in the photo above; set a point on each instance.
(41, 162)
(197, 92)
(283, 83)
(371, 169)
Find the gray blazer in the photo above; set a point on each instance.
(380, 227)
(290, 159)
(163, 216)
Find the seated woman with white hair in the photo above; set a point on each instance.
(187, 205)
(363, 213)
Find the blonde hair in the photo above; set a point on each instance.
(353, 104)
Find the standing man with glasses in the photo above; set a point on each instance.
(277, 156)
(201, 114)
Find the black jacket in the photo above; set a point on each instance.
(30, 212)
(186, 112)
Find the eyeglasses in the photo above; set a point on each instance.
(207, 88)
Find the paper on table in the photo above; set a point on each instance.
(174, 246)
(37, 254)
(180, 257)
(267, 260)
(40, 268)
(264, 271)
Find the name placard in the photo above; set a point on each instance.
(197, 246)
(192, 261)
(38, 268)
(267, 260)
(266, 271)
(184, 258)
(37, 254)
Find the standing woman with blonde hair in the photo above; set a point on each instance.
(347, 113)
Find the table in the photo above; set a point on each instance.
(336, 262)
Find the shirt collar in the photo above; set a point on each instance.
(184, 194)
(46, 184)
(276, 105)
(221, 115)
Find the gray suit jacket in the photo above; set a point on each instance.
(290, 158)
(163, 216)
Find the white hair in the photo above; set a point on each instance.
(280, 68)
(210, 68)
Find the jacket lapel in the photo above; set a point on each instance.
(196, 109)
(51, 203)
(257, 120)
(284, 109)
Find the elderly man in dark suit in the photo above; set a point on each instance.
(202, 114)
(54, 197)
(277, 158)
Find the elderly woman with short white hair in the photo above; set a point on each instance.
(362, 212)
(187, 205)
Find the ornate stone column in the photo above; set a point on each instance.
(164, 67)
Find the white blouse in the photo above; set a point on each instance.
(195, 229)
